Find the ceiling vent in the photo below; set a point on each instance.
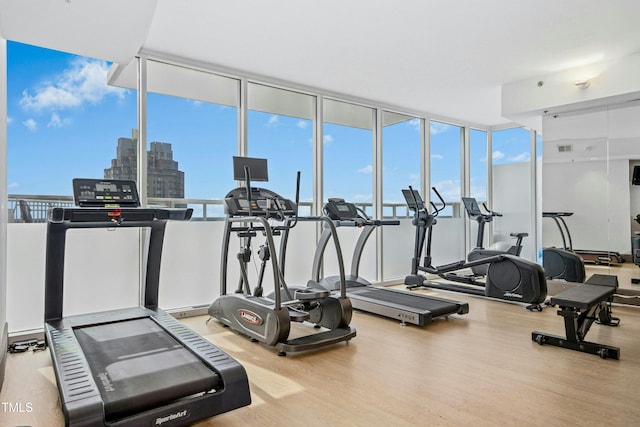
(565, 148)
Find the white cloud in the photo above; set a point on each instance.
(31, 124)
(13, 185)
(57, 122)
(366, 169)
(497, 155)
(302, 124)
(414, 123)
(9, 120)
(327, 139)
(449, 189)
(522, 157)
(85, 81)
(437, 157)
(273, 121)
(437, 127)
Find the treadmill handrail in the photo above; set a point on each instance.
(61, 220)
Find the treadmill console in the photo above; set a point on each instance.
(338, 209)
(113, 201)
(105, 193)
(263, 202)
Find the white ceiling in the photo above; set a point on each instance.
(447, 58)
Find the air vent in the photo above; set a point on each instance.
(565, 148)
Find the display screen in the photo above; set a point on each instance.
(105, 192)
(100, 186)
(257, 168)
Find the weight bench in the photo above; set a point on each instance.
(581, 306)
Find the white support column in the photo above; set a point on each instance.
(377, 188)
(242, 118)
(142, 130)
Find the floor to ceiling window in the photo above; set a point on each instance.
(512, 194)
(280, 128)
(348, 136)
(192, 136)
(445, 167)
(401, 154)
(64, 122)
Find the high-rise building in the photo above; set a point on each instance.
(163, 177)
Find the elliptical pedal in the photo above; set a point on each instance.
(297, 315)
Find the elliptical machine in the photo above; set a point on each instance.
(267, 319)
(508, 277)
(479, 252)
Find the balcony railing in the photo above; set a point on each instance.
(35, 208)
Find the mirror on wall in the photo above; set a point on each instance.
(587, 167)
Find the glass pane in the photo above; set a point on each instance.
(448, 234)
(401, 142)
(348, 153)
(192, 135)
(191, 138)
(64, 122)
(348, 174)
(512, 196)
(280, 129)
(478, 164)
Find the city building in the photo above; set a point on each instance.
(164, 179)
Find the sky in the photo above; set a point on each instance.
(64, 122)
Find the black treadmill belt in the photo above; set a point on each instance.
(436, 306)
(138, 366)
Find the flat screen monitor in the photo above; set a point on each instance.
(257, 168)
(636, 175)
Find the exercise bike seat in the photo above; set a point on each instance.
(518, 234)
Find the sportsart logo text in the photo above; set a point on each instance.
(250, 317)
(180, 414)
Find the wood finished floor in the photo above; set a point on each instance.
(477, 369)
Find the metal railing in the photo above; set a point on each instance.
(34, 208)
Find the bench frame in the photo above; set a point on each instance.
(580, 307)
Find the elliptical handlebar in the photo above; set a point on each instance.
(295, 215)
(444, 204)
(491, 213)
(247, 181)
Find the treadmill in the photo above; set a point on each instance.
(591, 256)
(135, 366)
(408, 307)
